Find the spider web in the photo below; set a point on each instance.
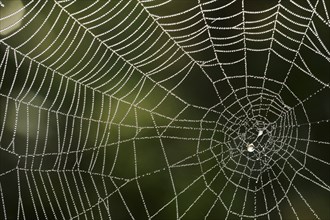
(161, 109)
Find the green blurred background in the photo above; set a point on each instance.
(90, 130)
